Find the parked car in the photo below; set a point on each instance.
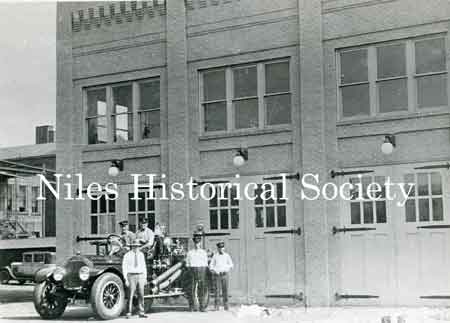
(98, 279)
(26, 270)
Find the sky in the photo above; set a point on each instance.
(27, 70)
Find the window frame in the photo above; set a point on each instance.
(99, 214)
(135, 112)
(373, 81)
(230, 99)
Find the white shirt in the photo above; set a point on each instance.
(221, 263)
(146, 236)
(197, 258)
(134, 263)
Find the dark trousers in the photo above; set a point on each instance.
(137, 283)
(221, 286)
(199, 286)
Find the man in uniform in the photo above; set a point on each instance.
(197, 262)
(126, 236)
(146, 237)
(135, 274)
(220, 266)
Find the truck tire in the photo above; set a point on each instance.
(4, 277)
(47, 303)
(108, 296)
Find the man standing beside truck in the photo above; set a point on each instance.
(197, 262)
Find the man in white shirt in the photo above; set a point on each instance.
(197, 262)
(220, 266)
(146, 237)
(135, 273)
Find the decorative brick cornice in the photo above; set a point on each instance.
(117, 13)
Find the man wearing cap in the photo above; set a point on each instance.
(126, 236)
(145, 236)
(220, 266)
(135, 274)
(197, 261)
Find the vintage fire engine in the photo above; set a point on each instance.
(98, 280)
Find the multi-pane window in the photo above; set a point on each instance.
(270, 212)
(425, 202)
(401, 76)
(96, 116)
(22, 198)
(34, 199)
(224, 209)
(149, 109)
(103, 215)
(111, 111)
(365, 209)
(246, 97)
(122, 114)
(143, 208)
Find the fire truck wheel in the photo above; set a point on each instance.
(108, 296)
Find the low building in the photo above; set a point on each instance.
(292, 86)
(26, 223)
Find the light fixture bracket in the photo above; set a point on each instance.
(243, 152)
(390, 138)
(117, 163)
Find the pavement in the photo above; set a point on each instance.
(16, 306)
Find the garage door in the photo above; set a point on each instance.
(260, 236)
(394, 254)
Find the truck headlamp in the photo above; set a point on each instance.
(83, 273)
(58, 274)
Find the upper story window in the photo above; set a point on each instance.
(246, 97)
(397, 77)
(111, 111)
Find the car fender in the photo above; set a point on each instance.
(98, 273)
(43, 273)
(10, 272)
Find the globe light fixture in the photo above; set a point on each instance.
(240, 158)
(115, 168)
(388, 145)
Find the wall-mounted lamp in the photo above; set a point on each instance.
(388, 145)
(241, 157)
(115, 168)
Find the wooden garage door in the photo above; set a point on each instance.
(393, 254)
(260, 236)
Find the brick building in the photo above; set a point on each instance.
(301, 86)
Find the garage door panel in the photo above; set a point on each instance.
(278, 276)
(380, 260)
(258, 263)
(355, 275)
(236, 251)
(435, 263)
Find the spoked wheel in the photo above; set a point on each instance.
(108, 296)
(47, 302)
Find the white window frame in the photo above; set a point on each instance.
(372, 79)
(109, 110)
(229, 97)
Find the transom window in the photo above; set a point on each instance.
(224, 212)
(365, 210)
(269, 212)
(425, 203)
(103, 215)
(110, 112)
(144, 208)
(246, 97)
(409, 75)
